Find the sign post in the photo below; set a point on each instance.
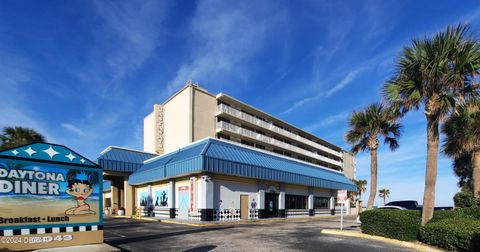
(50, 196)
(342, 199)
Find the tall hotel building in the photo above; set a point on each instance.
(213, 157)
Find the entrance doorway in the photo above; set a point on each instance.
(183, 202)
(271, 204)
(244, 207)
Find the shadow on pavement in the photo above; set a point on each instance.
(201, 249)
(163, 235)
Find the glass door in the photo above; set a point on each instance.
(271, 204)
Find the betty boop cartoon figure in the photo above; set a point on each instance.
(81, 190)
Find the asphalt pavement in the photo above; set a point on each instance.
(138, 235)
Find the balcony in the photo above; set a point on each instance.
(269, 126)
(266, 139)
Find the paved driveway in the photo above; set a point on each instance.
(134, 235)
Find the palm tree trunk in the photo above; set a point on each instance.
(431, 169)
(476, 173)
(373, 178)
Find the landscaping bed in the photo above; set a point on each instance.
(456, 230)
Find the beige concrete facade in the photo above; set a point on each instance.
(204, 109)
(128, 197)
(349, 165)
(193, 113)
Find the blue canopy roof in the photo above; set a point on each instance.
(122, 160)
(216, 156)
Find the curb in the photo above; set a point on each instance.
(100, 247)
(231, 223)
(413, 245)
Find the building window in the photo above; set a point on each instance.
(223, 136)
(321, 202)
(260, 132)
(260, 146)
(222, 102)
(221, 119)
(278, 151)
(295, 202)
(247, 143)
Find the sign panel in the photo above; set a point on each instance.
(47, 201)
(193, 182)
(160, 197)
(342, 196)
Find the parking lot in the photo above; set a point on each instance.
(137, 235)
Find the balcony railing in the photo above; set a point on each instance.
(266, 139)
(269, 126)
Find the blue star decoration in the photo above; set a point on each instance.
(47, 152)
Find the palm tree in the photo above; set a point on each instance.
(434, 73)
(361, 187)
(462, 137)
(15, 136)
(366, 127)
(462, 167)
(384, 193)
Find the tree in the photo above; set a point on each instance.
(15, 136)
(365, 127)
(384, 193)
(434, 73)
(361, 187)
(462, 139)
(462, 167)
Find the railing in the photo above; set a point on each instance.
(246, 117)
(266, 139)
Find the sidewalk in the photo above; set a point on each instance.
(196, 223)
(103, 247)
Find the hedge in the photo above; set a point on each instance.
(465, 199)
(473, 211)
(457, 234)
(397, 224)
(441, 215)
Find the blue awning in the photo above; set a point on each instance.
(216, 156)
(122, 160)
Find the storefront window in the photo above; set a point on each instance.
(295, 202)
(321, 202)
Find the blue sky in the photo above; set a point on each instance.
(85, 73)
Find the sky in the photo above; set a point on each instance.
(86, 73)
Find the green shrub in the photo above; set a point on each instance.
(473, 211)
(397, 224)
(458, 234)
(440, 215)
(464, 199)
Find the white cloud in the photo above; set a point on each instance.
(349, 78)
(327, 121)
(14, 76)
(223, 37)
(73, 129)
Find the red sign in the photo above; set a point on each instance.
(183, 188)
(342, 196)
(192, 193)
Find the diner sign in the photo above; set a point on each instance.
(50, 196)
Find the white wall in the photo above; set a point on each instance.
(149, 133)
(229, 193)
(177, 121)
